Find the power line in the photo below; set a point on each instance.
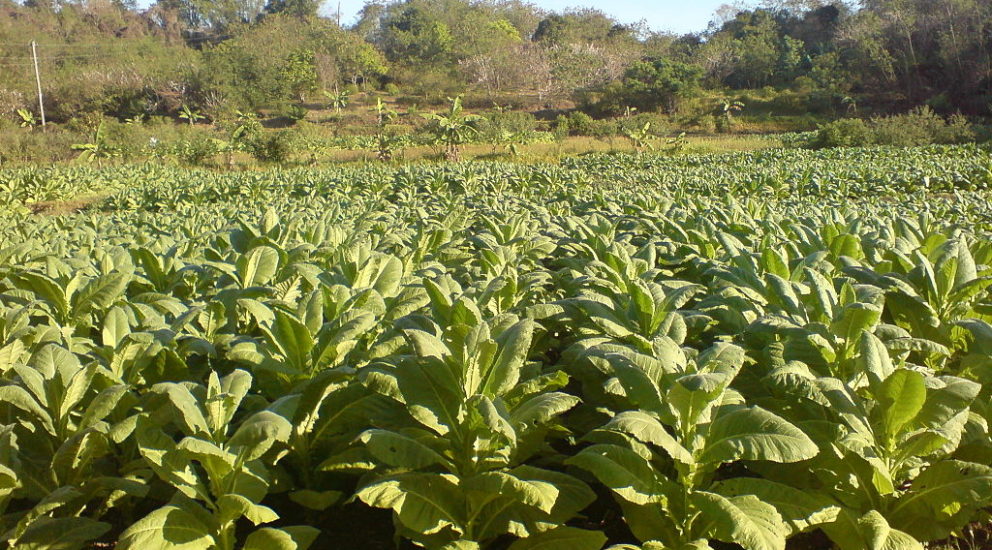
(28, 61)
(114, 42)
(105, 46)
(66, 56)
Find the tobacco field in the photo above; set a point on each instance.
(783, 349)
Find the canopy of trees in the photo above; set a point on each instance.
(109, 57)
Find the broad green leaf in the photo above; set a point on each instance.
(514, 344)
(755, 434)
(258, 433)
(66, 533)
(285, 538)
(168, 528)
(542, 408)
(648, 429)
(432, 393)
(875, 361)
(742, 520)
(775, 263)
(539, 494)
(167, 461)
(802, 510)
(258, 266)
(846, 245)
(868, 532)
(562, 538)
(942, 499)
(11, 354)
(101, 292)
(855, 319)
(901, 397)
(115, 327)
(103, 404)
(623, 471)
(232, 507)
(426, 345)
(18, 397)
(189, 414)
(293, 339)
(399, 450)
(425, 503)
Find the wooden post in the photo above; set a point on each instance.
(37, 78)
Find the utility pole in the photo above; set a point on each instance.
(37, 78)
(339, 14)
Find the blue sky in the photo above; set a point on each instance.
(662, 15)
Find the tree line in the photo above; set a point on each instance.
(108, 57)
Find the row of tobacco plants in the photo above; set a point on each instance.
(635, 352)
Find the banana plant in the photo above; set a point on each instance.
(457, 477)
(190, 115)
(452, 129)
(384, 114)
(661, 459)
(28, 120)
(339, 99)
(216, 469)
(97, 149)
(676, 145)
(641, 137)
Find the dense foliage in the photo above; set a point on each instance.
(918, 127)
(739, 349)
(822, 56)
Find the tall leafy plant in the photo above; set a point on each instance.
(457, 476)
(661, 459)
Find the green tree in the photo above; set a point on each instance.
(415, 34)
(577, 26)
(659, 83)
(300, 73)
(302, 9)
(792, 59)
